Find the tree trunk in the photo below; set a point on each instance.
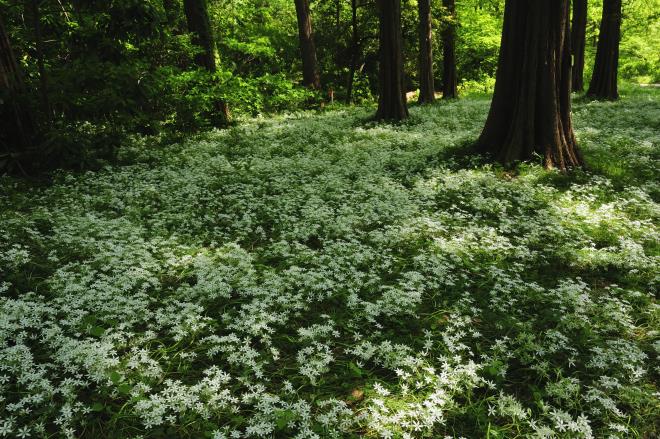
(307, 49)
(603, 81)
(392, 98)
(197, 18)
(355, 41)
(16, 126)
(426, 86)
(449, 77)
(531, 109)
(199, 25)
(578, 42)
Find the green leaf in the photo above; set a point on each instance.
(355, 369)
(97, 407)
(125, 389)
(115, 377)
(283, 417)
(97, 331)
(494, 368)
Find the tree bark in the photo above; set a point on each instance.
(16, 125)
(426, 86)
(531, 109)
(449, 77)
(307, 48)
(392, 97)
(197, 18)
(199, 25)
(355, 41)
(604, 79)
(578, 42)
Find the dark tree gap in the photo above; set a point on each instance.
(38, 43)
(392, 96)
(426, 86)
(307, 48)
(604, 78)
(16, 125)
(197, 18)
(449, 76)
(530, 113)
(578, 42)
(355, 49)
(172, 11)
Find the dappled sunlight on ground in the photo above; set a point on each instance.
(321, 275)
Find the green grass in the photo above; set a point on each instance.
(321, 275)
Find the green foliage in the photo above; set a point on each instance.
(478, 44)
(640, 40)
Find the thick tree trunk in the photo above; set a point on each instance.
(199, 25)
(392, 98)
(603, 81)
(307, 49)
(355, 42)
(449, 77)
(578, 41)
(16, 126)
(426, 86)
(531, 109)
(197, 18)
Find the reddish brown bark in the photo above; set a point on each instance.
(426, 86)
(604, 79)
(307, 48)
(392, 97)
(531, 109)
(449, 76)
(578, 42)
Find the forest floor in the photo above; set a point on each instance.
(320, 275)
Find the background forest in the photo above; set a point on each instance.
(204, 236)
(98, 71)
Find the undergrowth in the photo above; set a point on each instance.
(319, 275)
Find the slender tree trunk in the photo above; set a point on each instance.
(426, 86)
(604, 79)
(307, 49)
(16, 125)
(392, 98)
(578, 42)
(38, 39)
(449, 77)
(199, 25)
(531, 109)
(355, 41)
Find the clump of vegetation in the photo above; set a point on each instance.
(310, 275)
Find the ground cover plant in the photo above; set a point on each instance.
(320, 275)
